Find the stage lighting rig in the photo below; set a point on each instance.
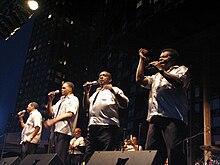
(16, 15)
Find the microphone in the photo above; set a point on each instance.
(54, 92)
(90, 83)
(21, 112)
(149, 66)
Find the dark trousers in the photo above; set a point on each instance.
(101, 138)
(59, 143)
(28, 148)
(167, 137)
(76, 159)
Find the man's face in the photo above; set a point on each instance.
(30, 107)
(166, 60)
(134, 140)
(104, 78)
(66, 90)
(77, 133)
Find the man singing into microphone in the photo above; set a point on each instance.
(103, 108)
(31, 130)
(167, 106)
(64, 118)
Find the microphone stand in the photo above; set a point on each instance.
(139, 135)
(187, 144)
(85, 109)
(3, 147)
(122, 148)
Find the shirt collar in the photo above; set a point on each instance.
(33, 111)
(67, 97)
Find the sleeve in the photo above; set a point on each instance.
(184, 76)
(121, 93)
(71, 141)
(37, 120)
(149, 83)
(73, 105)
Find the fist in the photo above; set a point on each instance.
(144, 51)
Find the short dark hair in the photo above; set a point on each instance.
(173, 53)
(70, 84)
(36, 106)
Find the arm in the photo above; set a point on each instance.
(122, 100)
(140, 69)
(64, 116)
(173, 79)
(33, 134)
(49, 104)
(21, 120)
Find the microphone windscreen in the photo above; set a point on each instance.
(57, 91)
(94, 83)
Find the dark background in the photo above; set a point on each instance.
(12, 58)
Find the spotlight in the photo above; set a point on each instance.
(33, 5)
(15, 16)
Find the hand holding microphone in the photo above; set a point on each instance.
(53, 92)
(90, 83)
(154, 64)
(21, 112)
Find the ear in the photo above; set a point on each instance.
(110, 80)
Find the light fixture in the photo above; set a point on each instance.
(32, 4)
(14, 17)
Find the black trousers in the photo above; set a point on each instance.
(101, 138)
(167, 135)
(76, 159)
(59, 143)
(28, 148)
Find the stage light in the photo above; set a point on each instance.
(33, 5)
(15, 16)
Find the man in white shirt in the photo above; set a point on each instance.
(167, 105)
(103, 108)
(64, 118)
(76, 148)
(31, 130)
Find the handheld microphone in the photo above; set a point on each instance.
(149, 66)
(54, 92)
(21, 112)
(91, 83)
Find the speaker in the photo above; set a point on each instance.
(42, 159)
(10, 161)
(122, 157)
